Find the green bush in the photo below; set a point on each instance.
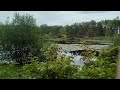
(103, 68)
(116, 40)
(21, 38)
(9, 72)
(61, 68)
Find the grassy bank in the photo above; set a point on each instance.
(91, 41)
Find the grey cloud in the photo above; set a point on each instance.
(62, 17)
(91, 12)
(45, 17)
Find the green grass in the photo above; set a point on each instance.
(9, 71)
(91, 41)
(97, 40)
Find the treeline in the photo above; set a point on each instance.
(83, 29)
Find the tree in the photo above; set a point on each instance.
(100, 30)
(21, 38)
(65, 37)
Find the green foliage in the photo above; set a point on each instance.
(21, 38)
(65, 37)
(109, 54)
(22, 41)
(61, 68)
(88, 55)
(104, 28)
(103, 68)
(51, 53)
(53, 67)
(116, 40)
(9, 71)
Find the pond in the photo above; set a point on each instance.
(65, 49)
(77, 59)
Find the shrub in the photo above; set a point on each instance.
(103, 68)
(116, 40)
(21, 38)
(60, 68)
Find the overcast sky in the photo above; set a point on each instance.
(63, 17)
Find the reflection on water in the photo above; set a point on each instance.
(76, 58)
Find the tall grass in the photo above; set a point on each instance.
(9, 71)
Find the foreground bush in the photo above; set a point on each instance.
(9, 72)
(116, 40)
(103, 68)
(61, 68)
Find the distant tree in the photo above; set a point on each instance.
(100, 29)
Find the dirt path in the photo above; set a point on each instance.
(118, 67)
